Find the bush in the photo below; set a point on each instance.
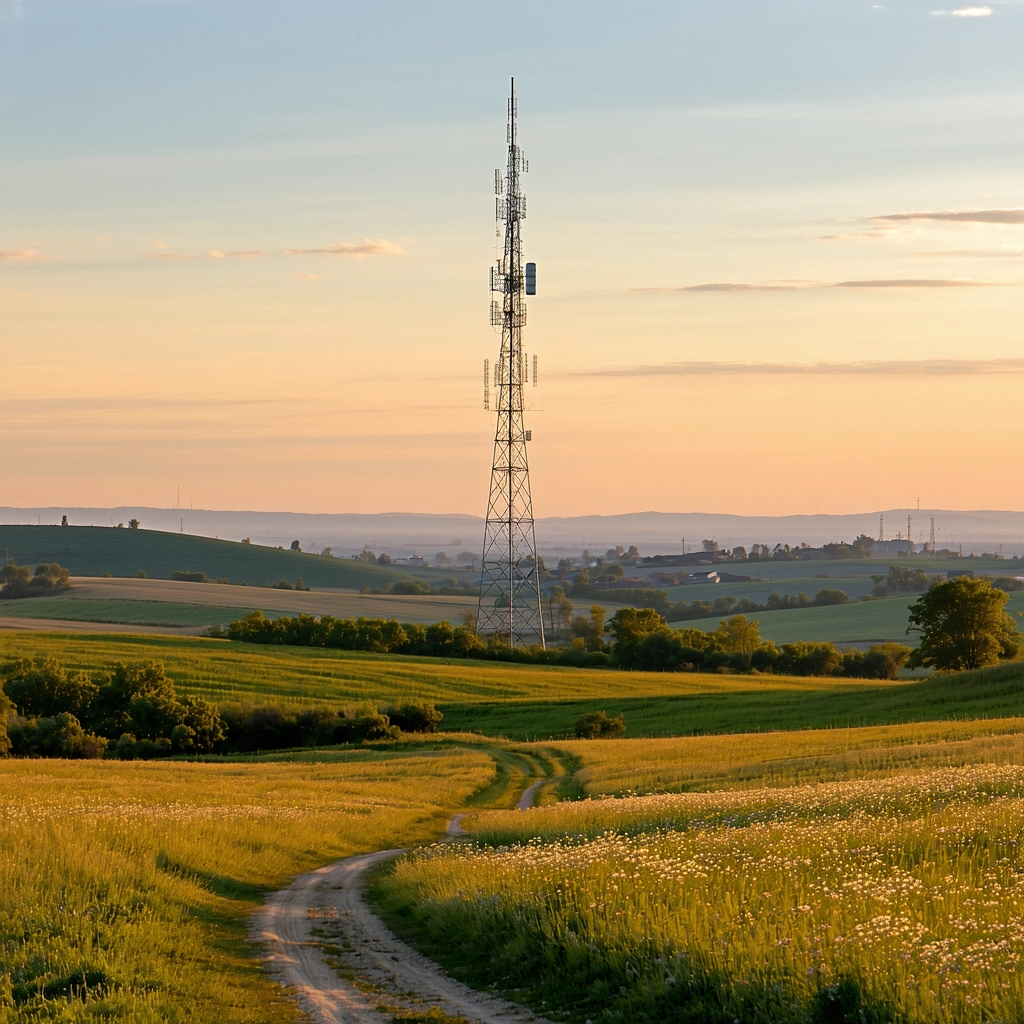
(415, 716)
(19, 581)
(189, 576)
(826, 597)
(596, 725)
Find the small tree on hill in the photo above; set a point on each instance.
(596, 725)
(963, 626)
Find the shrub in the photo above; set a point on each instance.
(415, 716)
(189, 576)
(596, 725)
(19, 581)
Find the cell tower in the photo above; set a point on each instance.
(931, 539)
(510, 580)
(881, 527)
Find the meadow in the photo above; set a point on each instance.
(894, 898)
(125, 888)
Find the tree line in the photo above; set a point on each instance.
(19, 581)
(131, 711)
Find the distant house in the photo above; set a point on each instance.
(711, 576)
(411, 560)
(629, 581)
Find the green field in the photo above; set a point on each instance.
(144, 613)
(94, 550)
(525, 702)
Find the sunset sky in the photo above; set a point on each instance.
(244, 251)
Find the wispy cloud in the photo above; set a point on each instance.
(915, 282)
(27, 256)
(214, 254)
(974, 253)
(964, 12)
(794, 286)
(961, 216)
(367, 247)
(248, 254)
(866, 368)
(166, 256)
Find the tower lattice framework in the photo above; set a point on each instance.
(510, 602)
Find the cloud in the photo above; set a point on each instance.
(159, 245)
(368, 247)
(26, 256)
(307, 277)
(866, 368)
(248, 254)
(974, 253)
(915, 282)
(961, 216)
(964, 12)
(166, 256)
(795, 286)
(733, 286)
(214, 254)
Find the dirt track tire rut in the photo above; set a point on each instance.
(330, 901)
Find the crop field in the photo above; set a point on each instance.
(172, 603)
(530, 702)
(125, 887)
(899, 897)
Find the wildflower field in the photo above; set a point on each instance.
(894, 898)
(125, 887)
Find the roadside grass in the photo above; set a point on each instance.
(125, 887)
(893, 898)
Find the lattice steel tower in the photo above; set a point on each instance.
(510, 580)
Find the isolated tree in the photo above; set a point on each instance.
(63, 520)
(710, 545)
(963, 626)
(296, 546)
(596, 725)
(630, 627)
(382, 559)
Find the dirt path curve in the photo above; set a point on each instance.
(530, 794)
(325, 909)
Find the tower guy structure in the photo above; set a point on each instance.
(510, 577)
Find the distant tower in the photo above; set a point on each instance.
(910, 536)
(931, 539)
(510, 579)
(881, 527)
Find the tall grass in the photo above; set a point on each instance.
(124, 888)
(892, 899)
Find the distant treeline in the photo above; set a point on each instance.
(132, 711)
(641, 640)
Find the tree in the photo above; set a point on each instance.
(382, 559)
(963, 626)
(710, 545)
(133, 524)
(630, 627)
(590, 629)
(63, 520)
(739, 636)
(296, 546)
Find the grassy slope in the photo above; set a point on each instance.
(145, 613)
(94, 550)
(530, 702)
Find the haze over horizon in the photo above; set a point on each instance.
(244, 252)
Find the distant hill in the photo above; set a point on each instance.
(406, 533)
(94, 550)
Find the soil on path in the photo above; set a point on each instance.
(319, 932)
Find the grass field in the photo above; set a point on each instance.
(94, 550)
(527, 702)
(125, 887)
(893, 898)
(860, 622)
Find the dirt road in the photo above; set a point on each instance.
(319, 931)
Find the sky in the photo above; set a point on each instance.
(244, 250)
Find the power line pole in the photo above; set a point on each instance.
(510, 602)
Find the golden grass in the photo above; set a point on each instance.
(124, 888)
(894, 898)
(786, 758)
